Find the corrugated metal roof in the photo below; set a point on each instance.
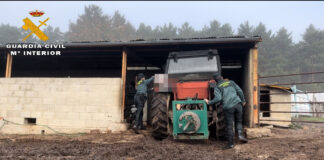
(192, 38)
(162, 41)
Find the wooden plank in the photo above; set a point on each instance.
(248, 88)
(255, 86)
(124, 70)
(8, 65)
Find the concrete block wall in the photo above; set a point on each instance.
(68, 105)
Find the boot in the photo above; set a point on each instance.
(142, 128)
(241, 137)
(230, 144)
(136, 131)
(135, 128)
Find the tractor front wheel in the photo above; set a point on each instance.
(220, 123)
(159, 116)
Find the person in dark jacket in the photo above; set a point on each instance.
(139, 99)
(232, 98)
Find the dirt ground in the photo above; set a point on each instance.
(284, 144)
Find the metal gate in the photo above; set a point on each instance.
(291, 98)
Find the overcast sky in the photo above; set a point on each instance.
(295, 16)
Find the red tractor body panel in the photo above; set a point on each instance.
(195, 89)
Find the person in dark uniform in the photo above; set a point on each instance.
(139, 99)
(232, 98)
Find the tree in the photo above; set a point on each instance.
(226, 30)
(90, 26)
(310, 54)
(259, 30)
(121, 29)
(144, 32)
(166, 31)
(282, 42)
(311, 49)
(280, 51)
(265, 48)
(11, 34)
(186, 31)
(54, 34)
(245, 29)
(213, 30)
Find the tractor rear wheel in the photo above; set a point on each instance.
(159, 117)
(220, 123)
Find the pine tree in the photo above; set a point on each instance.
(121, 29)
(144, 32)
(245, 29)
(90, 26)
(186, 31)
(54, 34)
(11, 34)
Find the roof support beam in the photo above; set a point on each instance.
(9, 65)
(256, 106)
(124, 70)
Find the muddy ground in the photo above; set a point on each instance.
(307, 143)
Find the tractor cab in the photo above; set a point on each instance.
(188, 69)
(191, 72)
(193, 65)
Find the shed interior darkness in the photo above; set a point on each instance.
(233, 62)
(265, 97)
(69, 64)
(2, 64)
(107, 62)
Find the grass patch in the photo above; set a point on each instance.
(295, 126)
(311, 119)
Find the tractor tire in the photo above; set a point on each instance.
(220, 123)
(159, 117)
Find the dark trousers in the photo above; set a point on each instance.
(236, 112)
(139, 103)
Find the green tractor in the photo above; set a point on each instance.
(177, 106)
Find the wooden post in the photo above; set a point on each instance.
(255, 86)
(124, 70)
(8, 66)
